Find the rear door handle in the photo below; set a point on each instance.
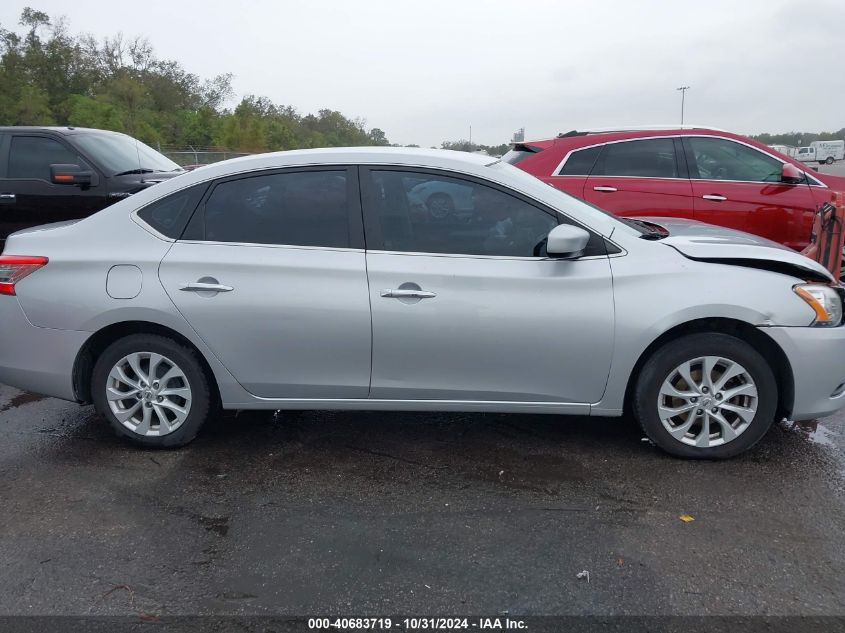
(7, 197)
(199, 286)
(604, 189)
(714, 197)
(408, 294)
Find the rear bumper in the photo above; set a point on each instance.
(34, 358)
(817, 357)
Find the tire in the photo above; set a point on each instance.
(829, 160)
(166, 416)
(757, 397)
(440, 205)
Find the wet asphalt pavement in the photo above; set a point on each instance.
(312, 513)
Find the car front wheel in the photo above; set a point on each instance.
(706, 396)
(152, 390)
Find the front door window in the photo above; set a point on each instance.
(722, 159)
(425, 213)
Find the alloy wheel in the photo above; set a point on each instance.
(148, 394)
(707, 401)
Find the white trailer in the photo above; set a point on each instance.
(822, 152)
(786, 150)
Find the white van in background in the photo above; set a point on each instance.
(786, 150)
(822, 152)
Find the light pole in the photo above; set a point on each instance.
(683, 90)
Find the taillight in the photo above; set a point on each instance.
(13, 268)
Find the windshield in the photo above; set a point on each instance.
(118, 154)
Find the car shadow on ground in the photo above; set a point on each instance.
(538, 453)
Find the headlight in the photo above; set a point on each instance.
(825, 302)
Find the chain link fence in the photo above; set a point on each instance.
(189, 156)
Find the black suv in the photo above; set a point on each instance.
(49, 174)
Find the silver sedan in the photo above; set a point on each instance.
(311, 280)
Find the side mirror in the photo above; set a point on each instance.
(791, 174)
(566, 241)
(67, 174)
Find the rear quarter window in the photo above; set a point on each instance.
(581, 161)
(169, 216)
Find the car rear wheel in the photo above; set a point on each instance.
(706, 396)
(152, 390)
(829, 160)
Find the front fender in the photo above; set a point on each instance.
(656, 295)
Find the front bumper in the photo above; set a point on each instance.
(34, 358)
(817, 357)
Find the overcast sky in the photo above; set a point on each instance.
(425, 71)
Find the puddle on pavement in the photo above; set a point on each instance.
(21, 399)
(816, 433)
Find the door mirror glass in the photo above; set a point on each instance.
(791, 174)
(567, 242)
(70, 174)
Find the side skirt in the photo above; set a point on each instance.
(362, 404)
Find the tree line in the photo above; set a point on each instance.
(799, 139)
(49, 76)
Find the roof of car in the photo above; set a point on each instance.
(418, 157)
(586, 136)
(639, 128)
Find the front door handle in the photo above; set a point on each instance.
(714, 197)
(604, 189)
(7, 198)
(200, 286)
(407, 294)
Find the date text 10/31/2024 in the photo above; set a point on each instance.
(414, 624)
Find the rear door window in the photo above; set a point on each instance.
(300, 208)
(644, 158)
(31, 157)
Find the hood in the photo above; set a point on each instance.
(133, 183)
(836, 183)
(709, 243)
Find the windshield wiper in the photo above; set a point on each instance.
(140, 170)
